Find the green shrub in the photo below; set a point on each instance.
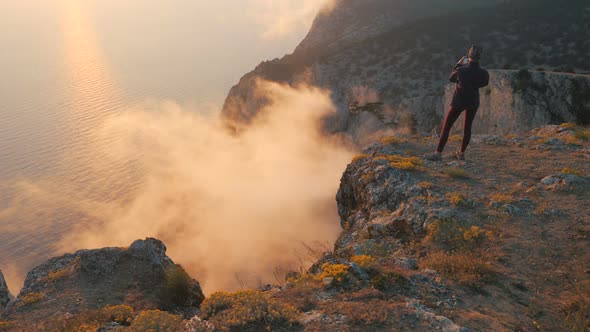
(523, 80)
(177, 288)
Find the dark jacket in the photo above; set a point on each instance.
(469, 78)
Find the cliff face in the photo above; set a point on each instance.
(371, 51)
(4, 293)
(516, 102)
(471, 233)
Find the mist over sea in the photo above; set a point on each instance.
(68, 66)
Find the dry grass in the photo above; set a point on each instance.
(122, 314)
(457, 173)
(393, 140)
(360, 157)
(466, 269)
(455, 138)
(369, 313)
(425, 185)
(571, 171)
(568, 125)
(582, 135)
(5, 325)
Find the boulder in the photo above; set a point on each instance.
(141, 276)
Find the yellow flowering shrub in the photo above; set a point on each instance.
(155, 321)
(392, 140)
(568, 125)
(246, 310)
(336, 271)
(425, 185)
(501, 198)
(122, 314)
(31, 298)
(364, 261)
(456, 198)
(403, 163)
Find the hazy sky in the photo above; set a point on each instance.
(204, 46)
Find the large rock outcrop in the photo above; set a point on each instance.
(4, 292)
(141, 275)
(401, 54)
(516, 102)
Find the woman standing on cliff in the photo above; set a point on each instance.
(469, 78)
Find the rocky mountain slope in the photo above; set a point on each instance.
(5, 296)
(497, 243)
(516, 102)
(363, 51)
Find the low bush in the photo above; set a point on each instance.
(121, 314)
(392, 140)
(456, 198)
(403, 163)
(501, 198)
(582, 135)
(31, 298)
(247, 310)
(156, 321)
(571, 171)
(336, 271)
(177, 288)
(454, 235)
(364, 261)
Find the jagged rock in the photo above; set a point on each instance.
(152, 250)
(95, 278)
(436, 322)
(563, 181)
(376, 200)
(5, 295)
(405, 263)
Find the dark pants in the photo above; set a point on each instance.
(452, 116)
